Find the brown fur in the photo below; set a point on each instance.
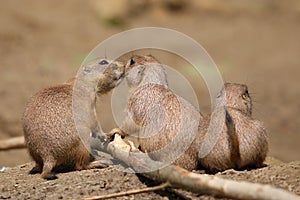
(157, 116)
(242, 142)
(49, 129)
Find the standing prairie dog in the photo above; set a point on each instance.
(164, 123)
(48, 121)
(242, 140)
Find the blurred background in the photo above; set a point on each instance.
(256, 42)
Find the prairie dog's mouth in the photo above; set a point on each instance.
(117, 70)
(118, 79)
(121, 71)
(122, 75)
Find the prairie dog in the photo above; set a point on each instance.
(48, 121)
(242, 141)
(164, 123)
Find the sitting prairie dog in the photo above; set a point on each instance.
(164, 123)
(48, 121)
(242, 141)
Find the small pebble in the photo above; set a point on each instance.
(3, 169)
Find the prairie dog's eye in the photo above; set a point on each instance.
(245, 95)
(103, 62)
(132, 62)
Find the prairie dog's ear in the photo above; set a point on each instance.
(87, 70)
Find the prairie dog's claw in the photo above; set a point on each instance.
(133, 148)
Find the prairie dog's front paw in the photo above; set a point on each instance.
(132, 145)
(115, 131)
(119, 143)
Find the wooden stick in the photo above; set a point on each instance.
(130, 192)
(198, 183)
(12, 143)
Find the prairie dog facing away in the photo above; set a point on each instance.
(164, 123)
(242, 140)
(48, 120)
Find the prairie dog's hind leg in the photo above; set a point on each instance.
(47, 173)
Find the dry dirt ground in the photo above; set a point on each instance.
(17, 184)
(254, 42)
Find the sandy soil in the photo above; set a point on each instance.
(43, 43)
(88, 183)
